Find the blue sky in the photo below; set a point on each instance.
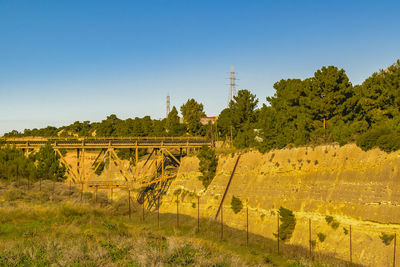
(62, 61)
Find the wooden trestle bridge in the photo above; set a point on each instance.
(164, 154)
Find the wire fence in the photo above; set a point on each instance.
(322, 238)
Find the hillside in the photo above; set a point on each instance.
(326, 184)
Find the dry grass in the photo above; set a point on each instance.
(53, 227)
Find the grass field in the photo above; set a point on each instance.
(52, 226)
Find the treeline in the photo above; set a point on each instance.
(44, 164)
(321, 109)
(112, 126)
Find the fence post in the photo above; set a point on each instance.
(198, 214)
(222, 222)
(129, 201)
(394, 251)
(278, 231)
(143, 211)
(351, 256)
(95, 195)
(247, 225)
(81, 191)
(309, 235)
(177, 211)
(158, 212)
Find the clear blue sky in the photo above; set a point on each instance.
(62, 61)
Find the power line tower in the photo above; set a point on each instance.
(168, 106)
(232, 85)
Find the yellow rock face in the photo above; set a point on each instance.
(357, 188)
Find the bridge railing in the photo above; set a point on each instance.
(131, 138)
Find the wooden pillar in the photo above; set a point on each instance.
(137, 154)
(77, 163)
(162, 164)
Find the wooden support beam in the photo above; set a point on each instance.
(177, 161)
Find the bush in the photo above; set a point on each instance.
(321, 237)
(345, 231)
(382, 136)
(236, 204)
(332, 222)
(386, 238)
(288, 224)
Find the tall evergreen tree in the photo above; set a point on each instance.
(173, 125)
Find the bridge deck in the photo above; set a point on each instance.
(98, 143)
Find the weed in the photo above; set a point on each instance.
(182, 256)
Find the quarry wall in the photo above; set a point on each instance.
(357, 188)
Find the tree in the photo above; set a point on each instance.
(208, 165)
(48, 164)
(242, 109)
(239, 119)
(191, 112)
(330, 89)
(173, 125)
(288, 223)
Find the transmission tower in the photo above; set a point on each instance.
(232, 85)
(168, 105)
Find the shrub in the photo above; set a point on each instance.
(321, 237)
(328, 219)
(345, 231)
(332, 222)
(236, 204)
(382, 136)
(386, 238)
(288, 224)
